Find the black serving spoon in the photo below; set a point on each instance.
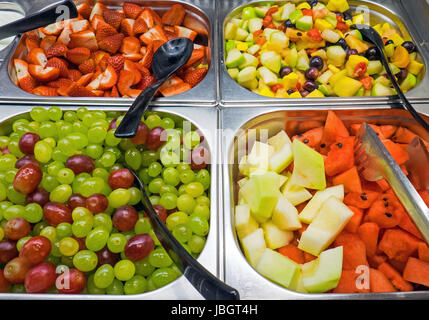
(210, 287)
(167, 60)
(40, 19)
(371, 35)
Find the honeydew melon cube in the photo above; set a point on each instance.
(261, 11)
(280, 39)
(268, 31)
(374, 67)
(253, 49)
(303, 62)
(281, 159)
(304, 23)
(291, 57)
(336, 55)
(295, 194)
(325, 76)
(259, 155)
(244, 166)
(278, 268)
(254, 246)
(268, 77)
(328, 34)
(312, 208)
(285, 215)
(234, 58)
(409, 82)
(298, 284)
(381, 90)
(251, 84)
(245, 224)
(329, 222)
(279, 140)
(274, 237)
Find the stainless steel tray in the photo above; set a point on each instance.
(237, 271)
(204, 118)
(380, 11)
(204, 93)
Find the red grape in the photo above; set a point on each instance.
(25, 160)
(40, 278)
(200, 157)
(8, 251)
(27, 142)
(56, 213)
(112, 124)
(97, 203)
(4, 284)
(27, 178)
(121, 178)
(105, 256)
(125, 218)
(39, 196)
(71, 281)
(36, 250)
(17, 228)
(141, 136)
(139, 247)
(155, 138)
(80, 163)
(162, 213)
(16, 269)
(76, 200)
(81, 242)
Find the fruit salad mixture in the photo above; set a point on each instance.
(308, 50)
(108, 53)
(67, 218)
(307, 221)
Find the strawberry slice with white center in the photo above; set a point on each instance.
(127, 27)
(185, 32)
(23, 77)
(95, 84)
(109, 79)
(126, 80)
(79, 25)
(53, 29)
(43, 74)
(176, 89)
(85, 79)
(64, 37)
(37, 56)
(95, 20)
(84, 39)
(130, 66)
(130, 45)
(97, 9)
(155, 33)
(194, 24)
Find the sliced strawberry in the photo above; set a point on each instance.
(114, 93)
(155, 16)
(104, 30)
(194, 77)
(144, 22)
(83, 39)
(60, 64)
(64, 37)
(109, 78)
(84, 10)
(145, 82)
(147, 57)
(48, 42)
(133, 93)
(131, 66)
(25, 80)
(174, 16)
(45, 91)
(133, 56)
(170, 35)
(113, 17)
(111, 44)
(195, 24)
(76, 90)
(57, 50)
(131, 10)
(60, 83)
(157, 44)
(127, 27)
(37, 56)
(87, 66)
(156, 33)
(117, 62)
(95, 83)
(130, 45)
(79, 25)
(126, 80)
(176, 89)
(143, 70)
(31, 43)
(170, 82)
(53, 29)
(96, 20)
(98, 93)
(74, 75)
(185, 32)
(139, 27)
(85, 79)
(28, 83)
(43, 74)
(98, 9)
(78, 55)
(197, 55)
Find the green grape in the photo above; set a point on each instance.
(159, 258)
(202, 210)
(54, 167)
(21, 242)
(119, 197)
(106, 190)
(97, 134)
(129, 234)
(142, 225)
(154, 200)
(78, 140)
(15, 196)
(66, 146)
(186, 203)
(14, 148)
(61, 193)
(91, 185)
(82, 213)
(88, 119)
(124, 270)
(85, 260)
(81, 111)
(1, 234)
(203, 200)
(136, 196)
(116, 242)
(63, 230)
(39, 114)
(168, 123)
(203, 177)
(18, 288)
(55, 251)
(49, 182)
(108, 159)
(144, 176)
(104, 221)
(39, 227)
(33, 213)
(68, 246)
(135, 285)
(154, 169)
(126, 144)
(182, 233)
(14, 211)
(50, 141)
(99, 114)
(143, 267)
(150, 285)
(163, 276)
(199, 225)
(95, 151)
(185, 154)
(64, 130)
(81, 228)
(115, 167)
(80, 127)
(42, 151)
(166, 188)
(133, 158)
(171, 176)
(168, 201)
(4, 141)
(196, 243)
(169, 158)
(70, 116)
(115, 288)
(104, 276)
(67, 261)
(92, 288)
(47, 129)
(149, 156)
(191, 140)
(79, 179)
(58, 155)
(97, 239)
(111, 140)
(50, 233)
(153, 121)
(19, 123)
(195, 189)
(34, 126)
(7, 162)
(175, 219)
(187, 176)
(10, 175)
(65, 176)
(155, 185)
(101, 173)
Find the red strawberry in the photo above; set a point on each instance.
(126, 80)
(60, 83)
(113, 17)
(32, 43)
(84, 10)
(85, 79)
(43, 74)
(147, 57)
(185, 32)
(194, 24)
(111, 44)
(27, 83)
(48, 42)
(140, 26)
(156, 33)
(45, 91)
(131, 10)
(78, 55)
(79, 25)
(193, 77)
(76, 90)
(83, 39)
(156, 44)
(176, 89)
(127, 27)
(197, 55)
(60, 64)
(109, 79)
(117, 62)
(87, 66)
(114, 93)
(145, 82)
(174, 16)
(96, 20)
(53, 29)
(25, 80)
(131, 66)
(104, 30)
(37, 56)
(57, 50)
(98, 9)
(130, 45)
(143, 70)
(170, 82)
(64, 37)
(74, 75)
(144, 22)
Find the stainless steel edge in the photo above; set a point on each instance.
(238, 272)
(205, 93)
(204, 118)
(233, 94)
